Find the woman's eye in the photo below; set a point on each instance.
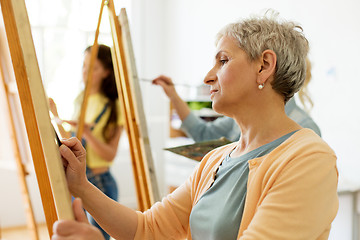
(223, 61)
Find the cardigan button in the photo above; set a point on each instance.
(253, 163)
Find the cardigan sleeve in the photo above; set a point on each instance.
(168, 219)
(300, 203)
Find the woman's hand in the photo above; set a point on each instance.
(87, 127)
(74, 160)
(59, 122)
(79, 229)
(53, 108)
(73, 123)
(179, 105)
(167, 85)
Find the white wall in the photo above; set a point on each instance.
(147, 27)
(332, 30)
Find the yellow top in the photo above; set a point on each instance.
(95, 105)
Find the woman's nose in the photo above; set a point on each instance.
(210, 77)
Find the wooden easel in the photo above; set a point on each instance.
(130, 97)
(138, 108)
(15, 120)
(34, 102)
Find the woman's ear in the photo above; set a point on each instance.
(268, 65)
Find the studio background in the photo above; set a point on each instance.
(176, 38)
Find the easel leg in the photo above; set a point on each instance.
(21, 172)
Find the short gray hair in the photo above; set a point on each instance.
(257, 34)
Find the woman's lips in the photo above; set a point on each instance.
(212, 92)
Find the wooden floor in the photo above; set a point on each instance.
(22, 233)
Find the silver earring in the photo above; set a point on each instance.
(261, 86)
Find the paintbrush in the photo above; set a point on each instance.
(172, 84)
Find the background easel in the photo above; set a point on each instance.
(131, 104)
(138, 107)
(19, 150)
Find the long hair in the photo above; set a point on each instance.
(108, 89)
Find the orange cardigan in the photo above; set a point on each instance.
(291, 194)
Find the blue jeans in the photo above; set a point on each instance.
(106, 183)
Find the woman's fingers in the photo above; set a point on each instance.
(80, 215)
(74, 146)
(52, 107)
(71, 122)
(72, 143)
(167, 85)
(162, 83)
(162, 79)
(74, 162)
(75, 123)
(74, 230)
(65, 228)
(68, 156)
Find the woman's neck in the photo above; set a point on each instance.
(94, 90)
(262, 126)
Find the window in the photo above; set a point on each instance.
(61, 30)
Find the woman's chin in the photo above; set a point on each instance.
(223, 109)
(217, 108)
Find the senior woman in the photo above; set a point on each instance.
(277, 182)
